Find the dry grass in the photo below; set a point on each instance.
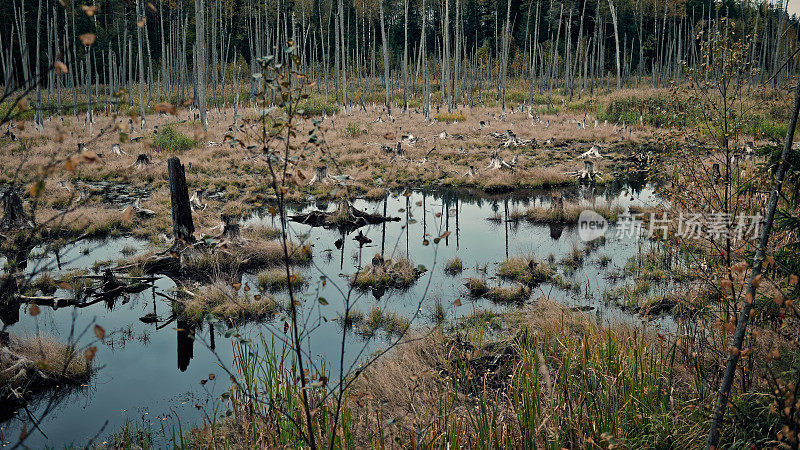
(476, 286)
(454, 266)
(508, 294)
(274, 279)
(32, 364)
(399, 274)
(228, 301)
(235, 258)
(229, 170)
(524, 270)
(570, 213)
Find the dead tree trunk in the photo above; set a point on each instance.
(182, 225)
(14, 215)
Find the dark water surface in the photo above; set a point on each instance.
(151, 372)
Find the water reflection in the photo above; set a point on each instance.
(126, 382)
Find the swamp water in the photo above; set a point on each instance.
(150, 372)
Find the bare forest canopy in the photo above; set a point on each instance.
(445, 52)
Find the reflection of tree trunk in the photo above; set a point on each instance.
(446, 217)
(457, 229)
(9, 313)
(185, 344)
(341, 258)
(408, 227)
(555, 230)
(424, 217)
(212, 343)
(505, 207)
(383, 232)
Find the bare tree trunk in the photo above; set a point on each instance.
(616, 39)
(139, 26)
(385, 43)
(752, 285)
(200, 52)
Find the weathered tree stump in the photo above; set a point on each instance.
(196, 200)
(182, 225)
(142, 161)
(320, 175)
(231, 229)
(14, 215)
(716, 172)
(557, 202)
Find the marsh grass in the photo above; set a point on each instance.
(476, 286)
(570, 213)
(170, 140)
(32, 364)
(400, 274)
(524, 270)
(454, 266)
(508, 294)
(224, 300)
(450, 117)
(378, 319)
(553, 379)
(248, 255)
(274, 279)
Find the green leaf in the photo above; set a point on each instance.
(322, 301)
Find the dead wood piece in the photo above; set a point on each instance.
(14, 215)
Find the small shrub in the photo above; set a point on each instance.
(476, 286)
(398, 274)
(378, 319)
(450, 117)
(516, 294)
(353, 130)
(170, 140)
(275, 279)
(454, 266)
(524, 270)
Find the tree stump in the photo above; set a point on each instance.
(231, 229)
(557, 202)
(320, 175)
(716, 172)
(141, 161)
(14, 215)
(182, 225)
